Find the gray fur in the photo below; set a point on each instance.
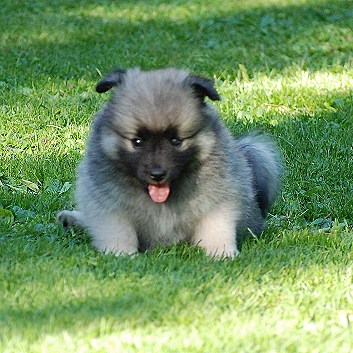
(221, 188)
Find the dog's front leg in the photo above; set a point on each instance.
(113, 233)
(216, 234)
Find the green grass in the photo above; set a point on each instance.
(284, 66)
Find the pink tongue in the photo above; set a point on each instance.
(158, 193)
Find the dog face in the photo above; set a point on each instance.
(158, 158)
(156, 126)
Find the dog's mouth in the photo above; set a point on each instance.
(158, 192)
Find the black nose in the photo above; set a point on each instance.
(157, 174)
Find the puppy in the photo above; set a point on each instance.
(160, 167)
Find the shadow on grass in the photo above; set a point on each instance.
(64, 40)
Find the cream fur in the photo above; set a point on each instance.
(216, 233)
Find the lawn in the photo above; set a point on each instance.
(283, 66)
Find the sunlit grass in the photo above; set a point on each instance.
(298, 93)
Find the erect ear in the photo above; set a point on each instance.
(202, 87)
(111, 80)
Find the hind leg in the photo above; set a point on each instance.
(70, 218)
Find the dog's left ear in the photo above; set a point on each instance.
(202, 87)
(111, 80)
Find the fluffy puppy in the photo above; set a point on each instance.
(160, 167)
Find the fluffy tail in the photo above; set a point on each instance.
(266, 163)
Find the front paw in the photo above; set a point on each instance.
(122, 252)
(216, 234)
(221, 252)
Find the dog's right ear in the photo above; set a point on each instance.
(111, 80)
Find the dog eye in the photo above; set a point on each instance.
(175, 141)
(137, 142)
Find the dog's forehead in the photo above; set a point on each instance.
(157, 100)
